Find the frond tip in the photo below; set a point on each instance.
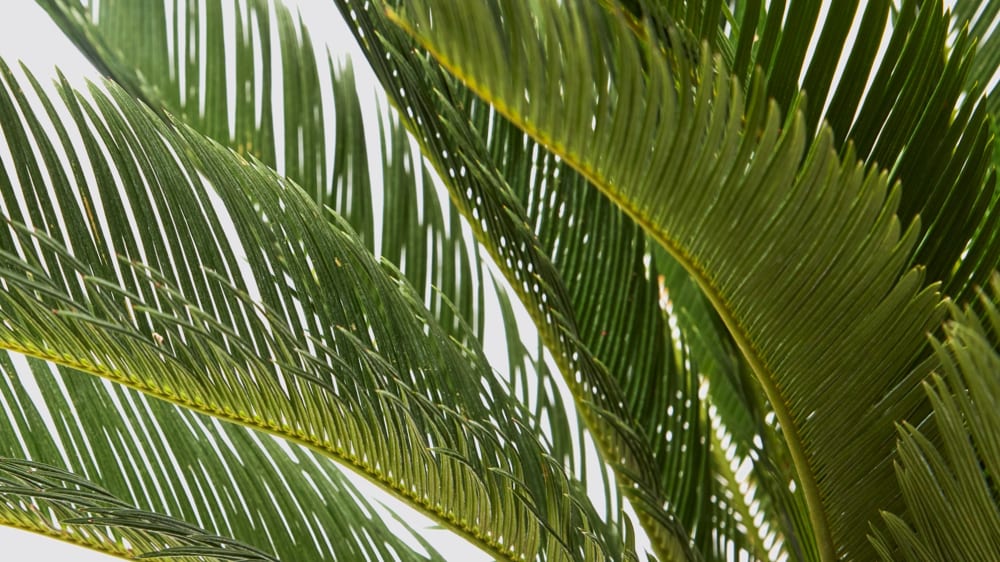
(798, 248)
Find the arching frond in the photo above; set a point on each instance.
(204, 279)
(423, 238)
(439, 115)
(914, 107)
(289, 502)
(818, 299)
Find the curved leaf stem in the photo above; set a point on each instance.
(449, 521)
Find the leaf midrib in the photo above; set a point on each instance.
(272, 427)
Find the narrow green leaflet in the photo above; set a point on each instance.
(981, 16)
(170, 265)
(914, 107)
(56, 503)
(172, 461)
(818, 298)
(948, 472)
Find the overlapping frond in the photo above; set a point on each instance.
(818, 298)
(950, 483)
(911, 104)
(476, 173)
(742, 424)
(614, 286)
(289, 502)
(56, 503)
(205, 280)
(424, 239)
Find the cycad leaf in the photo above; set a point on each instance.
(172, 461)
(748, 435)
(604, 259)
(801, 253)
(950, 486)
(204, 279)
(56, 503)
(913, 107)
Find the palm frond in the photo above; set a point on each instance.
(828, 225)
(423, 238)
(952, 498)
(204, 279)
(613, 284)
(174, 462)
(742, 429)
(439, 114)
(56, 503)
(915, 109)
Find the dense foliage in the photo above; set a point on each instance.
(757, 242)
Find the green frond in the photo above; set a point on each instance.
(418, 234)
(818, 292)
(739, 410)
(188, 80)
(614, 286)
(915, 109)
(950, 486)
(438, 112)
(204, 279)
(171, 461)
(56, 503)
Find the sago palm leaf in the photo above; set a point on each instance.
(417, 233)
(819, 298)
(894, 108)
(952, 498)
(615, 293)
(171, 461)
(406, 238)
(56, 503)
(435, 110)
(205, 280)
(965, 216)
